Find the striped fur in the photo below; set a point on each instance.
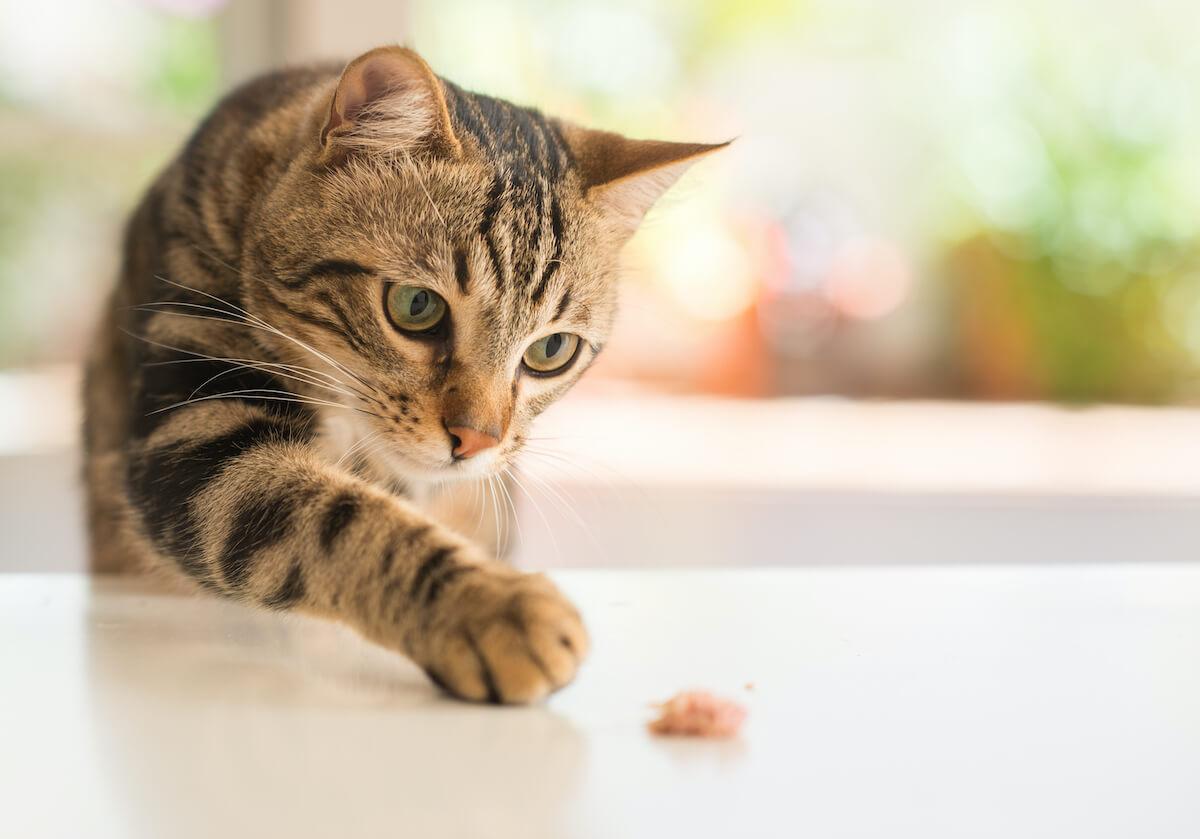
(255, 427)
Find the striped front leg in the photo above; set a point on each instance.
(238, 499)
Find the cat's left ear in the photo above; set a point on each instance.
(625, 177)
(387, 100)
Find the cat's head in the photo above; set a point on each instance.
(454, 256)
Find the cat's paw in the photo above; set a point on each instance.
(512, 638)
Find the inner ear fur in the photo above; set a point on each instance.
(625, 176)
(389, 99)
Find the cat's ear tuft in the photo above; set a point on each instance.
(387, 100)
(625, 177)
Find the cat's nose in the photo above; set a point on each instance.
(467, 442)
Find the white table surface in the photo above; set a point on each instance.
(1018, 701)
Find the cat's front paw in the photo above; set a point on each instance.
(512, 638)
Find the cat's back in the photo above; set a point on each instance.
(187, 228)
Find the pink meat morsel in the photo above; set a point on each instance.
(698, 713)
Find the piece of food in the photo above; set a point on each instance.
(698, 714)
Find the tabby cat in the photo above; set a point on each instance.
(350, 287)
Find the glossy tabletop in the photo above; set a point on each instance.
(942, 701)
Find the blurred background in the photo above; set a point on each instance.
(940, 301)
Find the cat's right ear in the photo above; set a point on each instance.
(388, 100)
(624, 177)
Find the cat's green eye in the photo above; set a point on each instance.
(414, 309)
(552, 353)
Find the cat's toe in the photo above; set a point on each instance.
(534, 648)
(526, 646)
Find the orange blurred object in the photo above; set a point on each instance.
(698, 714)
(738, 361)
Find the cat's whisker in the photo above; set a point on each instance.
(252, 366)
(273, 365)
(299, 377)
(262, 324)
(615, 481)
(214, 297)
(501, 535)
(235, 322)
(477, 501)
(242, 364)
(565, 505)
(500, 514)
(481, 496)
(264, 394)
(359, 444)
(572, 469)
(516, 518)
(232, 319)
(512, 473)
(554, 494)
(563, 462)
(372, 450)
(618, 485)
(485, 492)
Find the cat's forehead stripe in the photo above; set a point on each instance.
(563, 303)
(556, 233)
(490, 210)
(468, 116)
(340, 267)
(519, 141)
(521, 223)
(461, 273)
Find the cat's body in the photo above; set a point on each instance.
(349, 288)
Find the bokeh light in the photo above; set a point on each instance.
(997, 200)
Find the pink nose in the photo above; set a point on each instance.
(468, 442)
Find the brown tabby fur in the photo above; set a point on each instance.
(256, 427)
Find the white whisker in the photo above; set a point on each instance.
(262, 324)
(253, 366)
(199, 356)
(359, 444)
(265, 394)
(510, 472)
(516, 518)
